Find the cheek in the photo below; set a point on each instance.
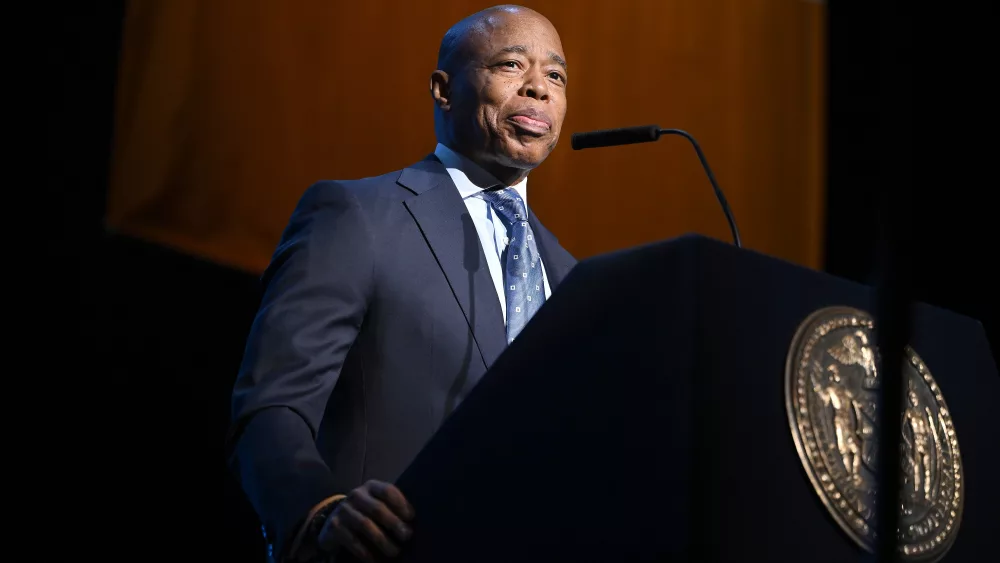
(493, 98)
(562, 105)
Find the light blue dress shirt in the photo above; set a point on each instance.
(471, 180)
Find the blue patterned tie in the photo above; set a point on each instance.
(523, 282)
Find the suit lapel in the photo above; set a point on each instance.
(557, 261)
(451, 235)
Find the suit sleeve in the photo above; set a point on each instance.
(315, 294)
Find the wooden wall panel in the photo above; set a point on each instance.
(229, 109)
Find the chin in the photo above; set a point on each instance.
(518, 155)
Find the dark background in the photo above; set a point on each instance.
(131, 466)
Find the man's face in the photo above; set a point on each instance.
(509, 101)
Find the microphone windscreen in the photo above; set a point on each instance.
(613, 137)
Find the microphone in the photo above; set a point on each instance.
(648, 134)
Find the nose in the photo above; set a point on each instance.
(535, 86)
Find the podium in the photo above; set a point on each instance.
(683, 401)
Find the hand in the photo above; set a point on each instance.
(372, 516)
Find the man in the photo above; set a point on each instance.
(388, 298)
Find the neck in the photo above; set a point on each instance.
(507, 175)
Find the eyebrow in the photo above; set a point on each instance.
(522, 50)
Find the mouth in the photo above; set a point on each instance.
(531, 121)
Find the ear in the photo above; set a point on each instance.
(441, 89)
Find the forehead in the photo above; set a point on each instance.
(504, 30)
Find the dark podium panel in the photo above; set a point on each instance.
(641, 416)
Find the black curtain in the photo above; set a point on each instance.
(128, 461)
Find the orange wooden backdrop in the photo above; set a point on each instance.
(229, 109)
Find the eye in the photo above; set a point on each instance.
(509, 64)
(556, 76)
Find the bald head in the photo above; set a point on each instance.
(500, 89)
(454, 48)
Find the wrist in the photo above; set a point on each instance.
(305, 547)
(319, 517)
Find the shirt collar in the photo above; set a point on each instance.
(470, 178)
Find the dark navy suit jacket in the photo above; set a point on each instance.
(378, 316)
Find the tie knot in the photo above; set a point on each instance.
(507, 203)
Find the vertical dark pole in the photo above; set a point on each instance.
(892, 308)
(892, 331)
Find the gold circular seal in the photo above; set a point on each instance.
(831, 383)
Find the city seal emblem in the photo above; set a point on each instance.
(831, 386)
